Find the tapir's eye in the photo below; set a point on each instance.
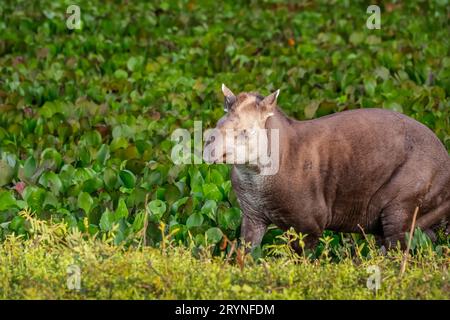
(244, 133)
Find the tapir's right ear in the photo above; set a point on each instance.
(230, 98)
(269, 103)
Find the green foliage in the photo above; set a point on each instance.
(86, 115)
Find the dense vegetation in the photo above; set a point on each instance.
(86, 117)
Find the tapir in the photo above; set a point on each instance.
(355, 171)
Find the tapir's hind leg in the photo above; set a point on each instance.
(434, 217)
(396, 220)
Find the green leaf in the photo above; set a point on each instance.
(196, 180)
(7, 201)
(84, 156)
(16, 223)
(110, 178)
(50, 201)
(50, 108)
(229, 218)
(311, 108)
(52, 181)
(370, 85)
(34, 197)
(382, 73)
(127, 178)
(51, 158)
(92, 185)
(179, 203)
(29, 167)
(107, 220)
(157, 209)
(172, 194)
(356, 37)
(122, 210)
(391, 105)
(216, 177)
(103, 154)
(214, 235)
(212, 192)
(138, 222)
(194, 220)
(85, 202)
(209, 209)
(118, 143)
(91, 138)
(121, 74)
(6, 173)
(134, 63)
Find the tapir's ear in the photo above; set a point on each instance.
(269, 103)
(230, 98)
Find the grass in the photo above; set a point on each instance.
(37, 268)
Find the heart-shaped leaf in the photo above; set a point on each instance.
(194, 220)
(107, 220)
(122, 210)
(7, 201)
(214, 235)
(85, 202)
(127, 178)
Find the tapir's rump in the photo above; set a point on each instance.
(365, 169)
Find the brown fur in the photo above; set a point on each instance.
(366, 167)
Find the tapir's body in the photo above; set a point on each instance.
(365, 169)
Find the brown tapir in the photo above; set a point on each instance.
(365, 168)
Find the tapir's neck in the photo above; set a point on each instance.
(281, 121)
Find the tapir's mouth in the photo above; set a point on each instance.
(222, 159)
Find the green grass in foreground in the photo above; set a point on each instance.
(36, 268)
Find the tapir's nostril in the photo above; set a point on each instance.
(209, 141)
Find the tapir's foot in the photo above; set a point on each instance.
(252, 232)
(431, 234)
(395, 241)
(310, 245)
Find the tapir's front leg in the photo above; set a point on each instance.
(252, 230)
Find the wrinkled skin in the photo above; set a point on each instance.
(361, 169)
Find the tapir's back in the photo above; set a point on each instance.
(374, 138)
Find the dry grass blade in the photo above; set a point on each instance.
(411, 234)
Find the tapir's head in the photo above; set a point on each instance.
(240, 134)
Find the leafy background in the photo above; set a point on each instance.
(86, 115)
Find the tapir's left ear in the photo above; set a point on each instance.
(230, 98)
(270, 102)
